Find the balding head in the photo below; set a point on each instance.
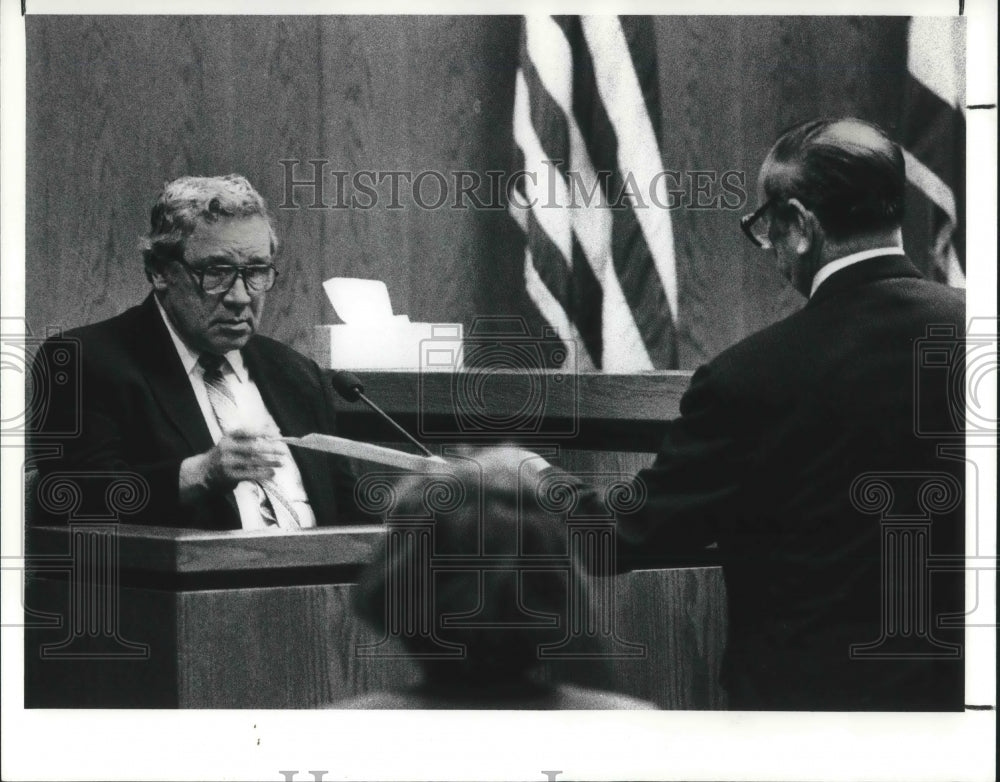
(847, 172)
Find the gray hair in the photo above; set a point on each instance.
(185, 201)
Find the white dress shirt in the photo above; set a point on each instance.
(849, 260)
(256, 418)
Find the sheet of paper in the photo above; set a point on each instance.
(365, 451)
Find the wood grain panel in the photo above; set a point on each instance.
(298, 647)
(589, 410)
(646, 397)
(672, 613)
(170, 550)
(158, 99)
(365, 78)
(327, 547)
(700, 109)
(78, 228)
(467, 260)
(293, 647)
(118, 105)
(276, 643)
(277, 115)
(423, 96)
(447, 138)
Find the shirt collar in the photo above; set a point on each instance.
(849, 260)
(189, 358)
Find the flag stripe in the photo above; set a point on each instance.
(586, 245)
(575, 290)
(563, 268)
(538, 187)
(566, 330)
(638, 148)
(622, 345)
(640, 36)
(549, 307)
(554, 288)
(547, 119)
(931, 184)
(932, 131)
(640, 285)
(932, 134)
(587, 300)
(954, 274)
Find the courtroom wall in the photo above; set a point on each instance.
(118, 105)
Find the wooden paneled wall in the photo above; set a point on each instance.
(118, 105)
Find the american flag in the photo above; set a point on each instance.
(599, 257)
(932, 134)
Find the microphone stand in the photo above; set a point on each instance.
(388, 418)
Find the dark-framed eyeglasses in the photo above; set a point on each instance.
(219, 278)
(757, 226)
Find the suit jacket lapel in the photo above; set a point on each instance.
(293, 409)
(168, 382)
(289, 406)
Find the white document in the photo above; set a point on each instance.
(365, 451)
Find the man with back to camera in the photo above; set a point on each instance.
(182, 391)
(774, 432)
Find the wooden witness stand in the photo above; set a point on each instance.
(243, 619)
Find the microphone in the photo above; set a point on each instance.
(350, 388)
(347, 385)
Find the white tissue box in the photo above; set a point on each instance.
(372, 337)
(392, 344)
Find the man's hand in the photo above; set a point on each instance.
(240, 455)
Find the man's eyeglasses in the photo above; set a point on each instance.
(757, 226)
(220, 278)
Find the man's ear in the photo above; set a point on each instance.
(155, 274)
(803, 228)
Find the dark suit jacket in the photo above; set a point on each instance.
(134, 410)
(772, 434)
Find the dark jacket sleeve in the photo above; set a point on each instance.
(692, 486)
(77, 443)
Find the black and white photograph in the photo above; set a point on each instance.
(401, 392)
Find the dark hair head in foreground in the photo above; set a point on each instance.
(485, 622)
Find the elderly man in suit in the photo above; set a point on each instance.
(775, 432)
(778, 435)
(182, 391)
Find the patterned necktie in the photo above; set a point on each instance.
(274, 504)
